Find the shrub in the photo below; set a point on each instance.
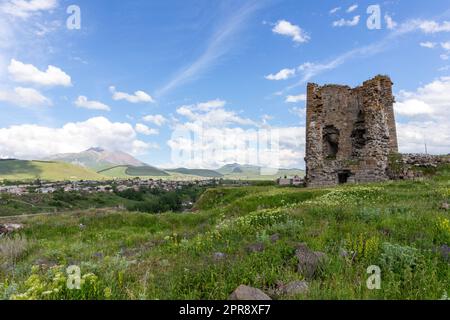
(12, 249)
(396, 258)
(52, 285)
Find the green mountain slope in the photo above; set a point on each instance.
(238, 171)
(131, 171)
(45, 170)
(197, 172)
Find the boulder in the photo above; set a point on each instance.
(293, 288)
(248, 293)
(444, 206)
(274, 238)
(308, 260)
(256, 247)
(10, 227)
(218, 256)
(444, 250)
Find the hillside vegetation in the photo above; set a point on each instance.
(44, 170)
(244, 235)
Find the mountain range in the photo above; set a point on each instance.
(100, 163)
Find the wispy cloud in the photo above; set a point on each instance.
(347, 23)
(219, 45)
(352, 8)
(309, 70)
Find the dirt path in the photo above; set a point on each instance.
(24, 216)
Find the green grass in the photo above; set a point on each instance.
(44, 170)
(398, 226)
(196, 172)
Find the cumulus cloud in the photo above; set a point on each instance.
(444, 57)
(145, 130)
(295, 99)
(83, 102)
(217, 116)
(281, 75)
(212, 138)
(27, 73)
(156, 119)
(34, 142)
(137, 97)
(24, 97)
(347, 23)
(26, 8)
(293, 31)
(424, 117)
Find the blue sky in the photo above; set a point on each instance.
(229, 71)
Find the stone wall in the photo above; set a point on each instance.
(407, 166)
(349, 132)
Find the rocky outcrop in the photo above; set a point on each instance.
(308, 261)
(10, 228)
(248, 293)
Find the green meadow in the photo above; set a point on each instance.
(398, 226)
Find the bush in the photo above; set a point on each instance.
(12, 249)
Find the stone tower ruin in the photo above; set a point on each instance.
(349, 132)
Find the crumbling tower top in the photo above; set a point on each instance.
(350, 132)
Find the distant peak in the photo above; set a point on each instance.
(96, 149)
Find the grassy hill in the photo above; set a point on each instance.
(197, 172)
(398, 226)
(44, 170)
(249, 172)
(131, 172)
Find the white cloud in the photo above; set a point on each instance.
(390, 23)
(26, 8)
(430, 26)
(428, 44)
(27, 73)
(288, 29)
(137, 97)
(334, 10)
(83, 102)
(347, 23)
(352, 8)
(295, 99)
(212, 104)
(157, 119)
(413, 107)
(299, 112)
(32, 141)
(212, 138)
(281, 75)
(445, 45)
(217, 116)
(143, 129)
(444, 57)
(427, 117)
(24, 97)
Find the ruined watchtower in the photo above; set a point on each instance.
(349, 132)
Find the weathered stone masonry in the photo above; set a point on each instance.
(350, 132)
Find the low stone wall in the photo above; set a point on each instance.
(424, 160)
(406, 166)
